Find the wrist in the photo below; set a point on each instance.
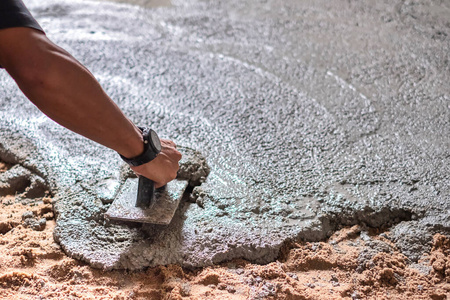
(152, 147)
(133, 144)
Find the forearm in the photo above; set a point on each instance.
(69, 94)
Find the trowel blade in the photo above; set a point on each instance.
(160, 212)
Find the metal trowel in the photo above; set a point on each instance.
(139, 201)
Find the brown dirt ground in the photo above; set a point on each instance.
(32, 266)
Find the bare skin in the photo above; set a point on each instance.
(68, 93)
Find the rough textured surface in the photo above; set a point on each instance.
(33, 266)
(19, 180)
(159, 211)
(193, 167)
(310, 115)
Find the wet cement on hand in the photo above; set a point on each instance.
(310, 116)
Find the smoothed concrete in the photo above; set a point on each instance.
(311, 115)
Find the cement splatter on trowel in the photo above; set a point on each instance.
(159, 209)
(138, 200)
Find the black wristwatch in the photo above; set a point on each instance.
(152, 147)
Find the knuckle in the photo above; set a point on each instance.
(178, 155)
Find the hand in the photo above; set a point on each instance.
(164, 167)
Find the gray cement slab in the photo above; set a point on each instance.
(311, 114)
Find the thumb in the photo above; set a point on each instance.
(159, 184)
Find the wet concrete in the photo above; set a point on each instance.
(311, 114)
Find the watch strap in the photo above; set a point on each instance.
(149, 153)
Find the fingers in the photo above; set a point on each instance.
(168, 143)
(164, 167)
(169, 148)
(158, 185)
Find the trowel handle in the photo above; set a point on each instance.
(146, 190)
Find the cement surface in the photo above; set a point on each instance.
(311, 115)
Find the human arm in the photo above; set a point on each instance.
(67, 92)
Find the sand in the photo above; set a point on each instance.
(354, 263)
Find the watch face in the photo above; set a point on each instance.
(155, 140)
